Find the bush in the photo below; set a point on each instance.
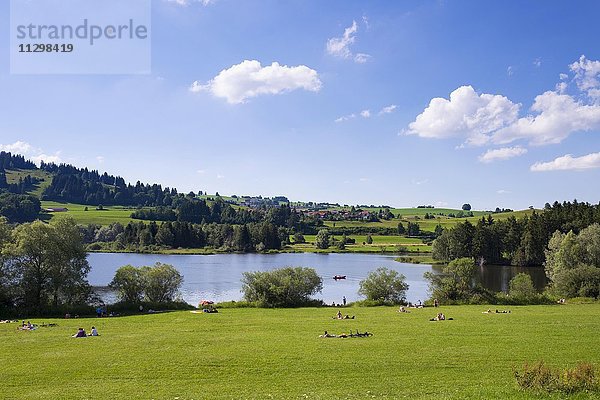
(521, 288)
(283, 287)
(540, 378)
(384, 285)
(157, 284)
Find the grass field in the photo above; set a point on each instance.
(276, 354)
(92, 216)
(13, 176)
(380, 244)
(426, 224)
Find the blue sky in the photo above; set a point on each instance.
(385, 102)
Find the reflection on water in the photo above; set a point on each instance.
(217, 277)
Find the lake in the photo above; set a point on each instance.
(217, 277)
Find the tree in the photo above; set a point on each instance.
(51, 263)
(128, 283)
(369, 239)
(384, 285)
(401, 229)
(521, 287)
(299, 238)
(161, 282)
(322, 239)
(573, 262)
(455, 283)
(283, 287)
(466, 207)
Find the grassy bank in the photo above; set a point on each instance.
(276, 354)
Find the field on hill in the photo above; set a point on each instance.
(427, 224)
(276, 354)
(393, 243)
(106, 216)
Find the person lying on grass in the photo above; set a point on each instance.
(344, 335)
(80, 333)
(403, 309)
(340, 316)
(440, 317)
(27, 326)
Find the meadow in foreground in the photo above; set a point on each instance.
(276, 353)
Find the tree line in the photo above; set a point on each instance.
(513, 241)
(139, 236)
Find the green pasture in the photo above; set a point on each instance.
(106, 216)
(426, 224)
(13, 176)
(277, 354)
(380, 244)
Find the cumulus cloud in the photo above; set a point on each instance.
(503, 191)
(30, 152)
(100, 159)
(568, 162)
(340, 46)
(18, 147)
(537, 62)
(250, 79)
(587, 73)
(486, 118)
(502, 154)
(365, 113)
(388, 109)
(466, 114)
(557, 116)
(510, 70)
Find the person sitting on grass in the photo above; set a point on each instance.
(403, 309)
(439, 317)
(326, 335)
(80, 333)
(94, 331)
(339, 315)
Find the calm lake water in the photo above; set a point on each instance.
(217, 277)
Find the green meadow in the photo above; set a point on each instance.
(106, 216)
(380, 244)
(277, 354)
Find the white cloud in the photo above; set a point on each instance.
(30, 152)
(568, 162)
(340, 46)
(481, 119)
(363, 179)
(365, 113)
(587, 73)
(502, 154)
(100, 159)
(249, 79)
(17, 147)
(387, 110)
(557, 116)
(502, 191)
(219, 176)
(361, 58)
(345, 118)
(201, 171)
(510, 70)
(537, 62)
(55, 158)
(466, 114)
